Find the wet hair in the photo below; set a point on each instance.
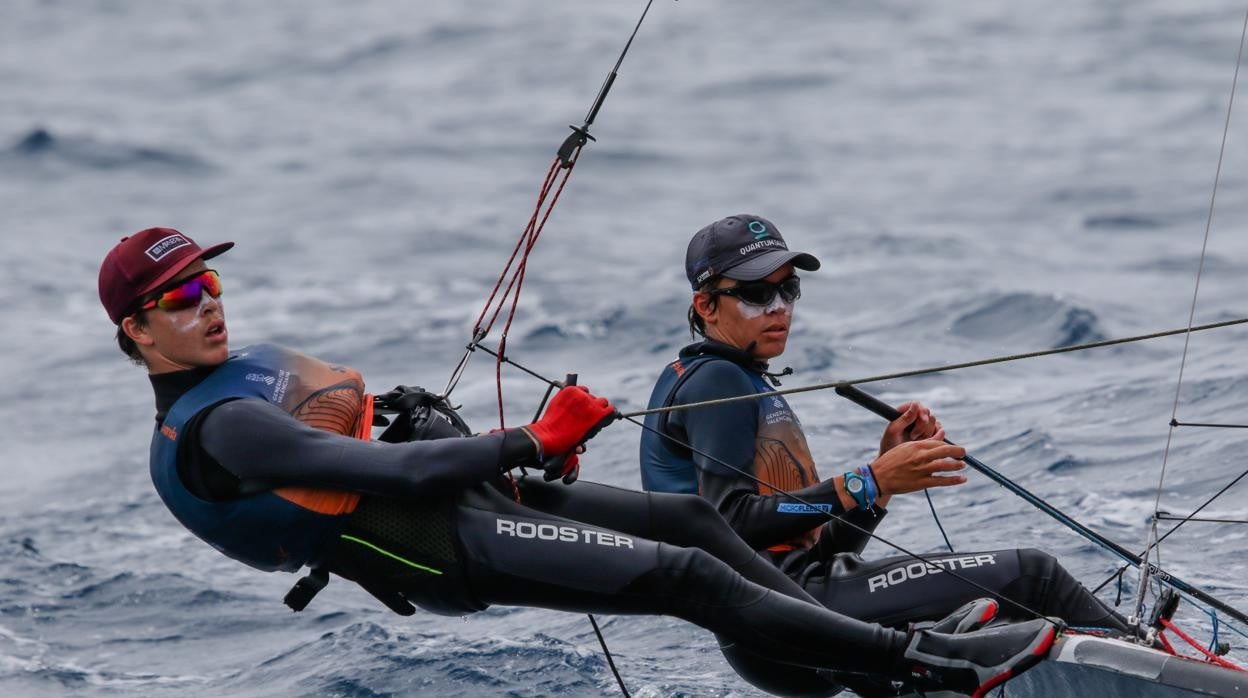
(697, 325)
(127, 345)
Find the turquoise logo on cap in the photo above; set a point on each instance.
(759, 230)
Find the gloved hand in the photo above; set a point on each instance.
(573, 416)
(567, 468)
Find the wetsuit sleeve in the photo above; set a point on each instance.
(256, 440)
(728, 433)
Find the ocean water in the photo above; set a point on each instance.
(978, 178)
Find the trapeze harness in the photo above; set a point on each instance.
(285, 528)
(781, 457)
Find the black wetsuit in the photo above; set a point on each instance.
(465, 543)
(764, 438)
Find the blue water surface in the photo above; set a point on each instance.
(979, 178)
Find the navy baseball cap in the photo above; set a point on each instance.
(742, 247)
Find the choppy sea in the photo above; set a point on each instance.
(979, 178)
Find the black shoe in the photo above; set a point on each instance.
(973, 615)
(973, 663)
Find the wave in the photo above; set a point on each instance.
(1030, 320)
(1121, 221)
(1188, 264)
(43, 146)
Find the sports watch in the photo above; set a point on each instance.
(856, 486)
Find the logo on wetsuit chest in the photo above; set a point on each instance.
(916, 570)
(564, 534)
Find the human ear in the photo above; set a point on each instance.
(137, 331)
(706, 306)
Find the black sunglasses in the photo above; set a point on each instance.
(763, 293)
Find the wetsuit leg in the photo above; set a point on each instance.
(685, 520)
(520, 556)
(897, 590)
(688, 521)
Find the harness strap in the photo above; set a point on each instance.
(301, 594)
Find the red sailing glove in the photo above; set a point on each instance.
(574, 416)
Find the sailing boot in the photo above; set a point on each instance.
(972, 663)
(973, 615)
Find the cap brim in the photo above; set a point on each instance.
(763, 265)
(179, 266)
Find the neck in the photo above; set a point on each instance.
(158, 363)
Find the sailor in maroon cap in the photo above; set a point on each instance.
(163, 268)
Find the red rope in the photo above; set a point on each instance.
(516, 268)
(517, 281)
(1208, 655)
(541, 197)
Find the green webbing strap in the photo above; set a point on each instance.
(389, 554)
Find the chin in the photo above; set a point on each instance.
(217, 355)
(768, 352)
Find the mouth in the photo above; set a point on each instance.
(776, 328)
(216, 331)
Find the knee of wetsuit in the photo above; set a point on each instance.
(695, 583)
(689, 519)
(776, 678)
(1037, 563)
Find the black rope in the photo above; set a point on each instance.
(1187, 518)
(932, 505)
(1177, 423)
(822, 509)
(1167, 517)
(939, 369)
(610, 662)
(567, 154)
(1170, 579)
(580, 134)
(1152, 542)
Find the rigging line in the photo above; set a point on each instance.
(992, 474)
(940, 369)
(565, 158)
(479, 332)
(932, 505)
(1177, 423)
(518, 281)
(1168, 517)
(1195, 511)
(610, 661)
(820, 508)
(890, 413)
(1152, 540)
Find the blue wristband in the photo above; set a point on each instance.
(873, 490)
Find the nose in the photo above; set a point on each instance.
(779, 306)
(210, 301)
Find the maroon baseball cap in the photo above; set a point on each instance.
(142, 263)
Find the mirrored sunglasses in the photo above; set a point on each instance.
(187, 293)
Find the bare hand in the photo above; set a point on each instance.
(913, 466)
(916, 423)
